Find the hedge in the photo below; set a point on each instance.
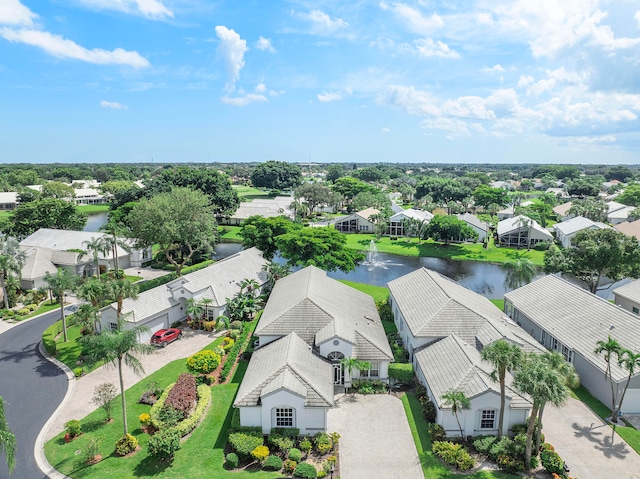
(236, 350)
(152, 283)
(189, 424)
(49, 338)
(401, 372)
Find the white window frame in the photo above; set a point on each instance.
(554, 344)
(284, 417)
(543, 338)
(567, 353)
(373, 372)
(488, 415)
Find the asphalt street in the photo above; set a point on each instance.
(32, 388)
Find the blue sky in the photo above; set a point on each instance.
(330, 81)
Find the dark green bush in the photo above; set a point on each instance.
(164, 444)
(401, 372)
(243, 444)
(231, 461)
(49, 337)
(453, 454)
(272, 463)
(73, 428)
(552, 462)
(437, 432)
(305, 470)
(484, 443)
(292, 432)
(295, 454)
(281, 443)
(384, 310)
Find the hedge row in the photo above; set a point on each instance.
(49, 338)
(236, 350)
(157, 407)
(152, 283)
(401, 372)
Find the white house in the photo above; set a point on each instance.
(41, 261)
(286, 385)
(476, 224)
(159, 307)
(336, 320)
(398, 222)
(566, 318)
(628, 296)
(357, 222)
(452, 364)
(265, 207)
(8, 200)
(620, 215)
(89, 196)
(566, 230)
(521, 232)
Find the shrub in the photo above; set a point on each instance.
(437, 432)
(233, 353)
(145, 419)
(227, 343)
(322, 473)
(103, 396)
(164, 444)
(484, 443)
(203, 362)
(281, 443)
(453, 454)
(234, 334)
(73, 428)
(509, 463)
(23, 311)
(220, 350)
(545, 446)
(401, 372)
(32, 307)
(322, 443)
(295, 454)
(49, 337)
(305, 470)
(209, 325)
(260, 453)
(243, 443)
(182, 395)
(289, 466)
(151, 394)
(190, 423)
(88, 455)
(552, 462)
(231, 461)
(237, 325)
(305, 445)
(272, 463)
(384, 310)
(126, 444)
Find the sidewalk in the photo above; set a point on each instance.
(80, 403)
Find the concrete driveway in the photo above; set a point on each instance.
(587, 444)
(375, 438)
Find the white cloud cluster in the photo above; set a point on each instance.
(113, 105)
(243, 98)
(20, 28)
(427, 47)
(147, 8)
(329, 96)
(320, 23)
(265, 44)
(414, 19)
(232, 49)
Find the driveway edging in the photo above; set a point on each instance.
(38, 450)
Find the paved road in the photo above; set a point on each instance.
(32, 388)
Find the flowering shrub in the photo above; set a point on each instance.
(203, 362)
(227, 343)
(260, 453)
(144, 419)
(126, 444)
(289, 466)
(182, 396)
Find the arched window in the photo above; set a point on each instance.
(335, 356)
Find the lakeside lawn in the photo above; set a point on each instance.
(93, 208)
(379, 293)
(432, 249)
(229, 234)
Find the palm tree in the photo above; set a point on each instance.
(118, 348)
(354, 364)
(537, 378)
(97, 246)
(12, 260)
(60, 282)
(251, 285)
(458, 401)
(120, 290)
(7, 440)
(608, 349)
(87, 317)
(503, 356)
(93, 290)
(114, 228)
(631, 362)
(520, 271)
(194, 310)
(275, 271)
(206, 302)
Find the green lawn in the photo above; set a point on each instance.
(499, 303)
(5, 213)
(429, 248)
(93, 208)
(43, 308)
(230, 234)
(432, 468)
(628, 433)
(201, 454)
(249, 192)
(379, 293)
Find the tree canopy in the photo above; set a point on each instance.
(485, 195)
(447, 228)
(442, 190)
(46, 213)
(314, 194)
(630, 196)
(278, 175)
(262, 233)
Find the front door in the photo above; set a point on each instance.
(338, 377)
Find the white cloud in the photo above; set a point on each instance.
(265, 44)
(329, 96)
(494, 69)
(243, 99)
(429, 48)
(321, 23)
(60, 47)
(113, 105)
(637, 17)
(414, 19)
(386, 130)
(12, 12)
(147, 8)
(525, 80)
(232, 49)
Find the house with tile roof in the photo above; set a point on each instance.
(159, 307)
(566, 318)
(398, 222)
(620, 215)
(286, 385)
(452, 364)
(357, 222)
(334, 319)
(521, 232)
(477, 225)
(264, 207)
(562, 211)
(566, 230)
(630, 228)
(8, 200)
(627, 296)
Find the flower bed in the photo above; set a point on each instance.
(187, 425)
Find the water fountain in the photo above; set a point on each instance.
(372, 253)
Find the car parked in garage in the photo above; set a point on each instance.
(165, 336)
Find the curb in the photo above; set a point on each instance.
(38, 450)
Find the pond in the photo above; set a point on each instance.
(96, 220)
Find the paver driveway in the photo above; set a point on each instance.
(588, 445)
(375, 438)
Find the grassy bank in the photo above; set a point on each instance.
(247, 193)
(379, 293)
(429, 248)
(93, 208)
(229, 234)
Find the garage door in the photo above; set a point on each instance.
(154, 325)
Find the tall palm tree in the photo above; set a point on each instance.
(458, 401)
(93, 290)
(115, 229)
(631, 362)
(117, 348)
(608, 349)
(59, 283)
(520, 271)
(120, 290)
(12, 260)
(354, 364)
(503, 356)
(87, 317)
(7, 440)
(206, 302)
(537, 378)
(97, 246)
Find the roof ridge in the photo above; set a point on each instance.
(309, 385)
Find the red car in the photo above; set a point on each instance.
(165, 336)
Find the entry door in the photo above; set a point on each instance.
(338, 377)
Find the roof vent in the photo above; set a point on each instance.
(611, 326)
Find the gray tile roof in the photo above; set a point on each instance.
(631, 291)
(474, 221)
(411, 213)
(514, 224)
(37, 263)
(435, 306)
(287, 363)
(576, 224)
(577, 318)
(65, 240)
(453, 364)
(318, 308)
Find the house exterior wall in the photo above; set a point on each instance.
(140, 256)
(251, 416)
(336, 344)
(627, 304)
(306, 419)
(410, 342)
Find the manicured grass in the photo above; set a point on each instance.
(432, 468)
(230, 234)
(628, 433)
(499, 303)
(247, 193)
(93, 208)
(44, 308)
(379, 293)
(429, 248)
(5, 213)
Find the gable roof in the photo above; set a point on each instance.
(435, 306)
(37, 263)
(577, 318)
(8, 197)
(319, 308)
(622, 213)
(453, 364)
(631, 228)
(614, 206)
(515, 223)
(413, 214)
(473, 220)
(287, 363)
(65, 240)
(630, 291)
(563, 209)
(576, 224)
(367, 213)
